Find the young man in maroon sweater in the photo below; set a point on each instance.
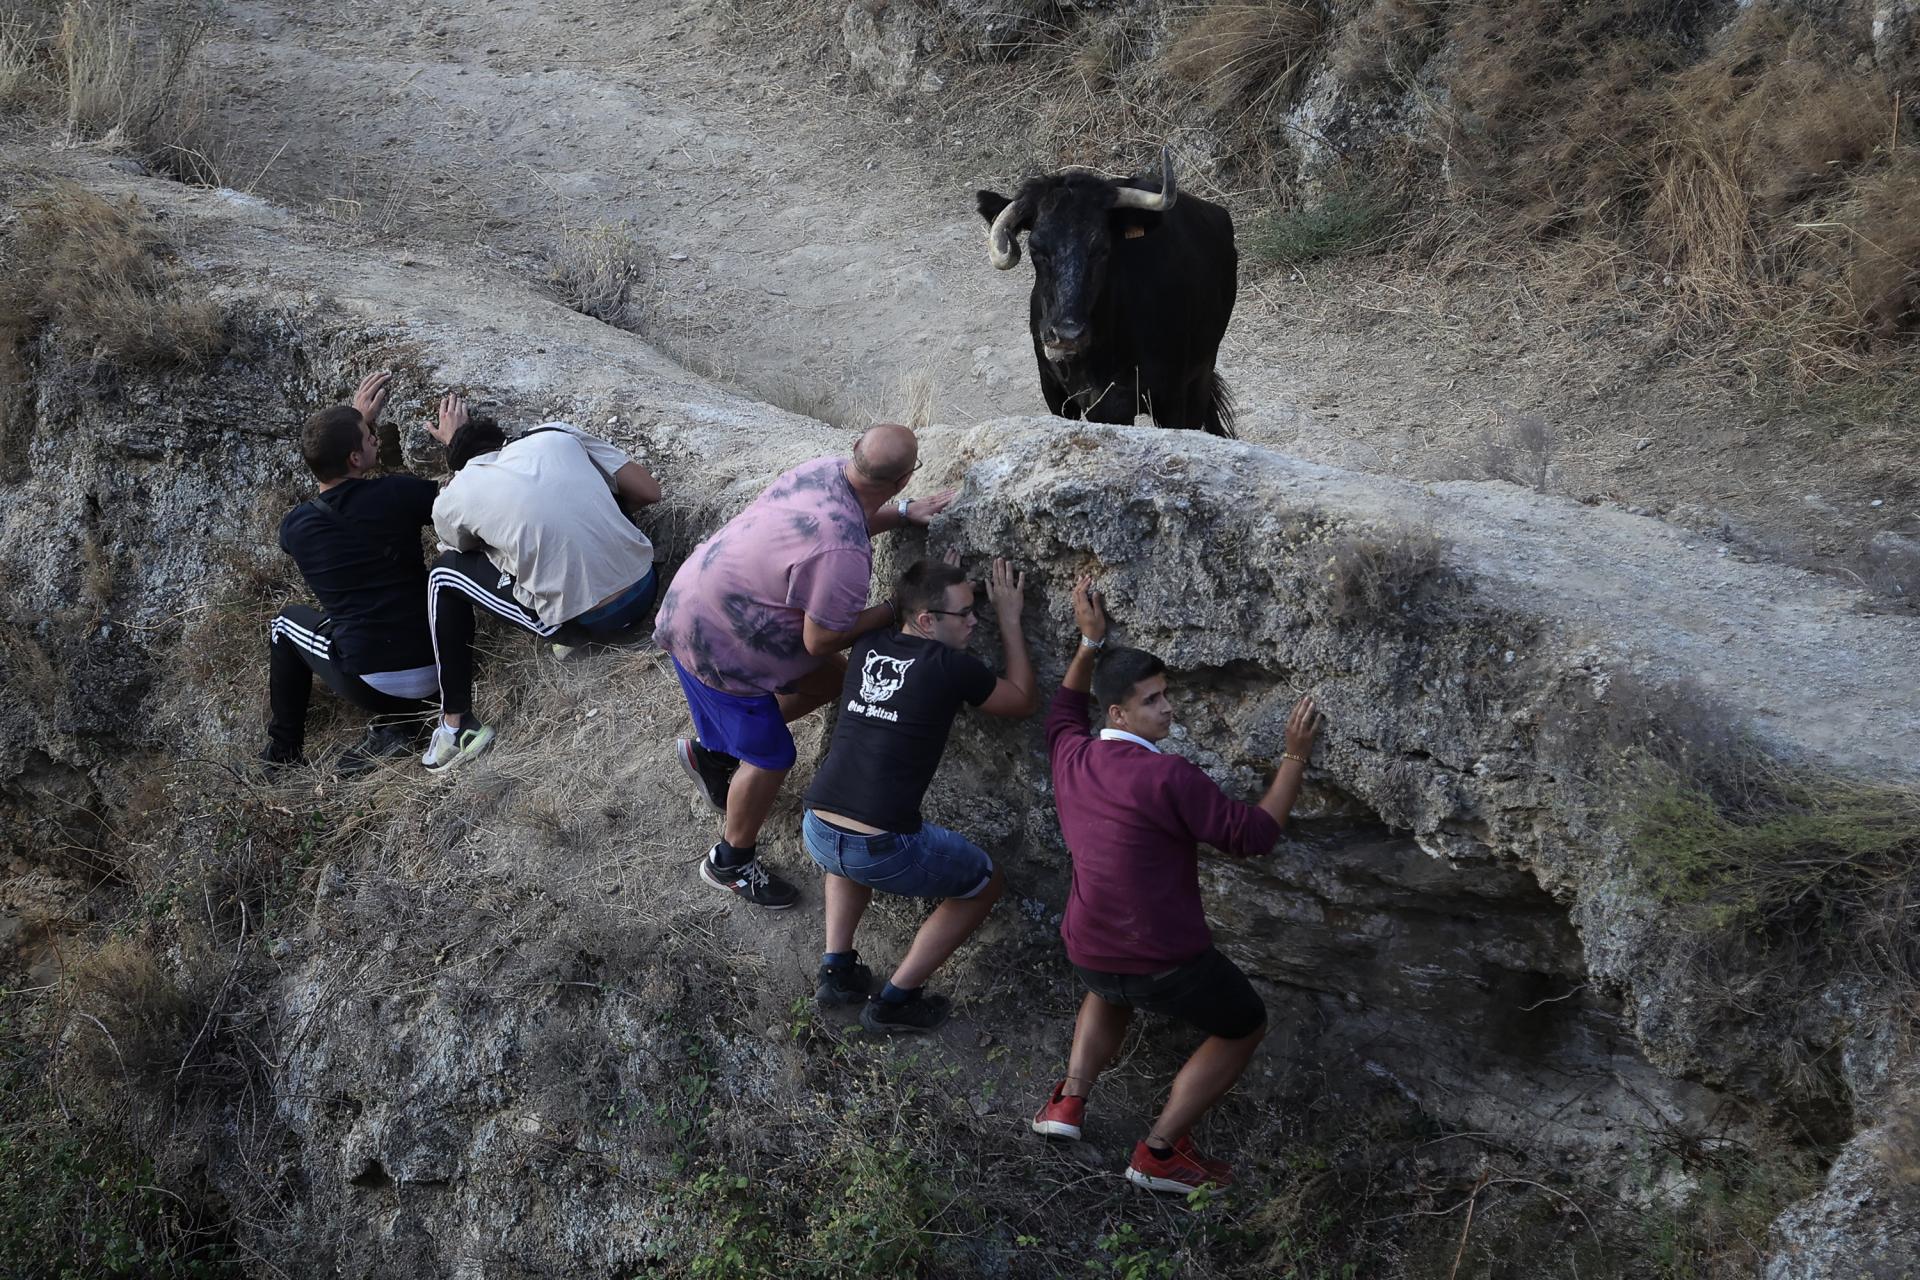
(1135, 929)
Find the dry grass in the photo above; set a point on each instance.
(1248, 58)
(1386, 41)
(595, 271)
(1757, 186)
(104, 282)
(128, 1018)
(116, 74)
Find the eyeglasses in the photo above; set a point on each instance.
(968, 612)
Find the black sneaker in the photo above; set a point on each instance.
(848, 983)
(922, 1013)
(710, 771)
(276, 759)
(750, 881)
(383, 742)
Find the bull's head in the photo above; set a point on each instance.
(1071, 219)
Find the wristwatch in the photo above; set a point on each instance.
(901, 504)
(1095, 645)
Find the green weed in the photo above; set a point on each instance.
(1340, 223)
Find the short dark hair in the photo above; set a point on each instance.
(328, 439)
(478, 436)
(1120, 670)
(924, 586)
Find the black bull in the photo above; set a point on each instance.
(1133, 285)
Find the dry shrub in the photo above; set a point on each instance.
(103, 280)
(1520, 451)
(1247, 57)
(1371, 577)
(128, 1019)
(594, 272)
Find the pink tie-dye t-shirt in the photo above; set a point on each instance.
(733, 614)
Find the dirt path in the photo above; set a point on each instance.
(818, 250)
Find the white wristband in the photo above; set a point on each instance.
(901, 505)
(1095, 645)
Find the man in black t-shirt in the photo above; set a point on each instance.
(357, 544)
(862, 822)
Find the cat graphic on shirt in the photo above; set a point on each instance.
(881, 676)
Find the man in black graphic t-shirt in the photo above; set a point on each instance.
(357, 543)
(863, 823)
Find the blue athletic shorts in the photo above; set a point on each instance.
(933, 862)
(745, 726)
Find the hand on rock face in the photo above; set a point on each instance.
(453, 416)
(1089, 610)
(921, 511)
(1007, 590)
(370, 397)
(1303, 727)
(952, 557)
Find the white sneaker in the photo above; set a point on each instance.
(451, 746)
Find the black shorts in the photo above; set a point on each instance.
(1209, 993)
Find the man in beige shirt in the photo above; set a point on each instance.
(533, 531)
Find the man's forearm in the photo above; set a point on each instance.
(1079, 677)
(818, 640)
(1019, 664)
(1278, 802)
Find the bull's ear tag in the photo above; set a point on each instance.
(1133, 232)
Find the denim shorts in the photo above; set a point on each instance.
(624, 612)
(745, 726)
(1208, 992)
(933, 862)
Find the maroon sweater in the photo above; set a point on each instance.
(1133, 820)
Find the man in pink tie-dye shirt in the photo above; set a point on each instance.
(755, 622)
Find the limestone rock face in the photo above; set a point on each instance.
(1453, 917)
(891, 44)
(1865, 1222)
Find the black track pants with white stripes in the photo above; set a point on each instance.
(460, 580)
(302, 649)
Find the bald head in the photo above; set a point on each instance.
(885, 455)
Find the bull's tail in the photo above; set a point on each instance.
(1220, 417)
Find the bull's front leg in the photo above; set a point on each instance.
(1110, 400)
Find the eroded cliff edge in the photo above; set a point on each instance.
(491, 987)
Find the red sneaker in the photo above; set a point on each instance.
(1061, 1117)
(1222, 1171)
(1178, 1171)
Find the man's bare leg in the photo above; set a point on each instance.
(951, 924)
(750, 799)
(1203, 1081)
(1097, 1034)
(846, 902)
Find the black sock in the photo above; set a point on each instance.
(727, 856)
(1160, 1149)
(898, 995)
(835, 959)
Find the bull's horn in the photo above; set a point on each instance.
(1152, 202)
(1001, 245)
